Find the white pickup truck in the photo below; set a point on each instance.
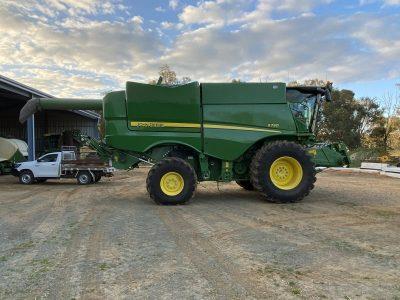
(62, 164)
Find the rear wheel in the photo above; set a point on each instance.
(283, 172)
(246, 184)
(171, 181)
(26, 177)
(84, 177)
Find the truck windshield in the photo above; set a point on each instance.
(48, 158)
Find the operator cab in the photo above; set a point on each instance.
(304, 102)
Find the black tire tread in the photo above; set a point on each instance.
(175, 161)
(245, 184)
(256, 168)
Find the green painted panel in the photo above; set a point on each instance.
(150, 107)
(119, 137)
(114, 105)
(229, 144)
(231, 129)
(234, 93)
(264, 116)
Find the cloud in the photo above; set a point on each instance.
(137, 19)
(160, 9)
(173, 4)
(63, 49)
(167, 25)
(353, 48)
(392, 2)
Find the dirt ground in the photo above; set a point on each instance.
(109, 240)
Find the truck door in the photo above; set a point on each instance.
(47, 166)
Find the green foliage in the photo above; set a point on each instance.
(348, 119)
(169, 77)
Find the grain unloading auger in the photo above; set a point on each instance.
(260, 135)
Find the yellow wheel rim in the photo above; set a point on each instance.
(286, 173)
(172, 183)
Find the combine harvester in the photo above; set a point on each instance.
(11, 151)
(260, 135)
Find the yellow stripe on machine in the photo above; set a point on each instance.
(197, 125)
(164, 124)
(216, 126)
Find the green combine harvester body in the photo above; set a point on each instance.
(216, 128)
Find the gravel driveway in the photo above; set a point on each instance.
(60, 240)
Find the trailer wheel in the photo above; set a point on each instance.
(283, 172)
(246, 184)
(84, 177)
(26, 177)
(171, 181)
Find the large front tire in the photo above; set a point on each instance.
(283, 172)
(171, 181)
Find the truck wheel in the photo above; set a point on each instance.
(283, 172)
(246, 184)
(171, 181)
(26, 177)
(84, 177)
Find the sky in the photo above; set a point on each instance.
(84, 48)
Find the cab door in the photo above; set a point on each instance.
(47, 166)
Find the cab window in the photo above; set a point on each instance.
(48, 158)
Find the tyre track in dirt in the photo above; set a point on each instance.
(217, 269)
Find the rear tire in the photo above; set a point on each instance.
(84, 177)
(171, 181)
(26, 177)
(246, 184)
(283, 172)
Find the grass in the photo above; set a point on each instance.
(103, 266)
(25, 245)
(41, 266)
(3, 258)
(296, 291)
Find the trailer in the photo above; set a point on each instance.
(63, 164)
(260, 135)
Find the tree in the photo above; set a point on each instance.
(308, 82)
(389, 123)
(342, 119)
(169, 77)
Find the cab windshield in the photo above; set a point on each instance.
(303, 108)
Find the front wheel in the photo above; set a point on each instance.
(171, 181)
(283, 172)
(26, 177)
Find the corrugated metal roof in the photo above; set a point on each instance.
(29, 92)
